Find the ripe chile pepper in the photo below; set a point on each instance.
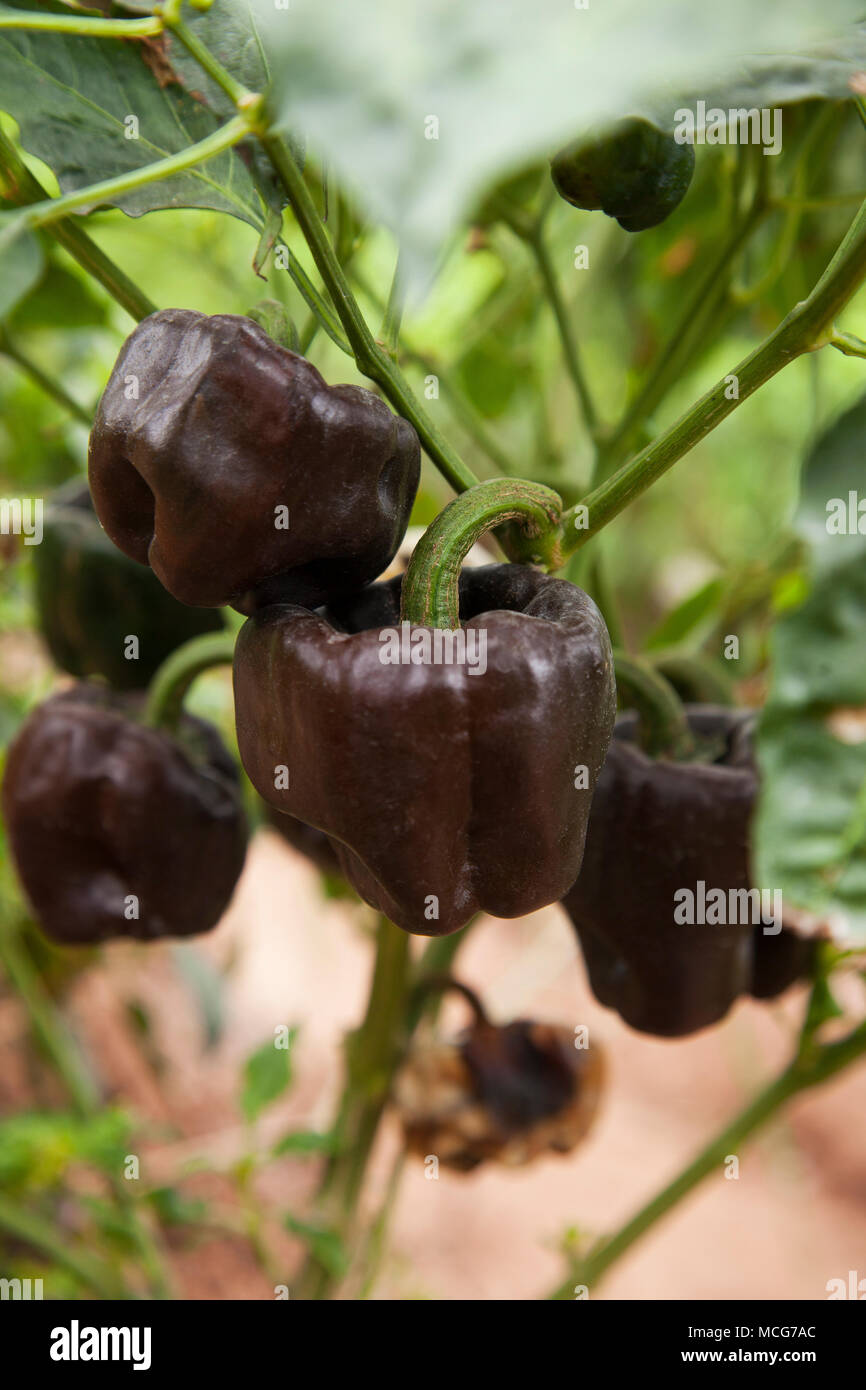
(227, 464)
(90, 599)
(118, 829)
(657, 828)
(445, 790)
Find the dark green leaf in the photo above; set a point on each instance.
(699, 608)
(811, 823)
(324, 1244)
(267, 1074)
(305, 1141)
(20, 262)
(75, 100)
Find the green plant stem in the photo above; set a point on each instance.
(394, 1010)
(809, 1069)
(695, 674)
(18, 185)
(83, 25)
(372, 1053)
(465, 413)
(538, 246)
(174, 677)
(806, 328)
(48, 1026)
(48, 384)
(430, 587)
(44, 213)
(42, 1235)
(236, 93)
(699, 308)
(664, 729)
(370, 357)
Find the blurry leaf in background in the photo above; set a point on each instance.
(174, 1209)
(811, 823)
(37, 1148)
(20, 261)
(690, 618)
(267, 1074)
(59, 300)
(420, 107)
(323, 1243)
(206, 987)
(302, 1143)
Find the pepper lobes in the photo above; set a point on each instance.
(101, 809)
(444, 792)
(226, 463)
(658, 827)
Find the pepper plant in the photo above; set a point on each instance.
(617, 277)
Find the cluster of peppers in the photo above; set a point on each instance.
(224, 471)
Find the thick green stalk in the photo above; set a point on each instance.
(810, 1069)
(372, 1053)
(809, 326)
(371, 358)
(430, 588)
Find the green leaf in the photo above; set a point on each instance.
(267, 1074)
(21, 261)
(699, 608)
(305, 1141)
(324, 1244)
(509, 82)
(75, 98)
(175, 1209)
(37, 1148)
(61, 299)
(811, 824)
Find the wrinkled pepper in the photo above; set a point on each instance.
(227, 464)
(446, 789)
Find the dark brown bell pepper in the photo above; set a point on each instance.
(658, 827)
(117, 829)
(445, 792)
(227, 464)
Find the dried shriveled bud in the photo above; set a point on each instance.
(506, 1094)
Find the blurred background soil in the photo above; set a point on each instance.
(285, 954)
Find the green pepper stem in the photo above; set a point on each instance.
(174, 677)
(370, 357)
(664, 728)
(430, 588)
(41, 214)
